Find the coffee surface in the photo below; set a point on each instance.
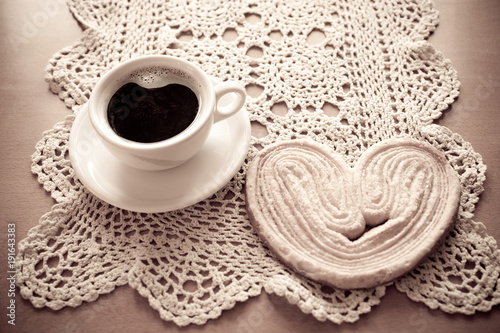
(151, 114)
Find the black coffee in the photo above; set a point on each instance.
(150, 115)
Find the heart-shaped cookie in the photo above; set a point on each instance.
(352, 227)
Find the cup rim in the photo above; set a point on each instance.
(98, 115)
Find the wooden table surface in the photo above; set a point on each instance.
(468, 34)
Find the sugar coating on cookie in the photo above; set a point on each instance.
(352, 227)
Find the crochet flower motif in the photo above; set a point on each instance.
(375, 78)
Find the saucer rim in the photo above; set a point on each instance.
(136, 205)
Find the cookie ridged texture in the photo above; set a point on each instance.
(352, 227)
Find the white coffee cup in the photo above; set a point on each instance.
(153, 72)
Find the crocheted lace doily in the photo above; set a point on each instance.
(369, 74)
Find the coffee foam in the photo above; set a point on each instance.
(160, 76)
(155, 77)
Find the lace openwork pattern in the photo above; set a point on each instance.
(367, 75)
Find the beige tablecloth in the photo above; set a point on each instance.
(32, 31)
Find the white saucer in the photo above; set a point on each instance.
(216, 163)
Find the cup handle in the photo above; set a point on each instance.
(222, 89)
